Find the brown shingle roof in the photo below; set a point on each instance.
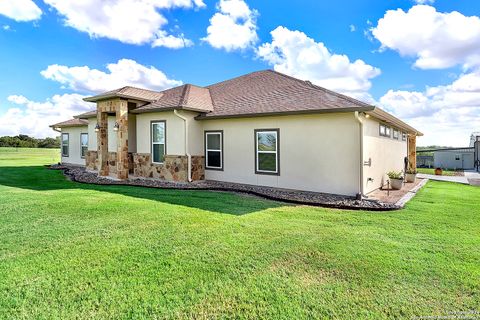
(187, 96)
(271, 92)
(86, 115)
(70, 123)
(129, 93)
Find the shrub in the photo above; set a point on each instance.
(395, 175)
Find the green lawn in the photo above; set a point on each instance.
(444, 172)
(76, 251)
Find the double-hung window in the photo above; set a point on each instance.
(83, 144)
(65, 144)
(158, 141)
(267, 151)
(404, 136)
(214, 150)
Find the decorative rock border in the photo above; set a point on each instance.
(79, 174)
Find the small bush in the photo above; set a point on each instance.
(395, 175)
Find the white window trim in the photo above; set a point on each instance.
(214, 150)
(164, 139)
(66, 145)
(258, 151)
(83, 145)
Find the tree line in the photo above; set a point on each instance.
(24, 141)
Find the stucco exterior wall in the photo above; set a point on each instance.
(175, 132)
(318, 152)
(447, 159)
(386, 154)
(92, 135)
(74, 153)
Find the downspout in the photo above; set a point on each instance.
(360, 185)
(189, 156)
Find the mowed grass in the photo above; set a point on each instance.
(76, 251)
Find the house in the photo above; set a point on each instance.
(459, 158)
(454, 158)
(264, 128)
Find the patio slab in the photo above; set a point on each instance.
(456, 179)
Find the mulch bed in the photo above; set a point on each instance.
(79, 174)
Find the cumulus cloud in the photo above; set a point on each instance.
(124, 72)
(446, 114)
(294, 53)
(20, 10)
(437, 40)
(424, 1)
(33, 118)
(133, 22)
(233, 27)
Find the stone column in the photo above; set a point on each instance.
(412, 151)
(122, 139)
(102, 143)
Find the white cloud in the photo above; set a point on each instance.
(20, 10)
(446, 114)
(437, 40)
(134, 22)
(33, 118)
(294, 53)
(233, 27)
(424, 1)
(124, 72)
(353, 28)
(167, 40)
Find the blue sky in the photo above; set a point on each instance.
(417, 59)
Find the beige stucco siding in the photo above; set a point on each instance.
(175, 132)
(317, 152)
(74, 145)
(92, 135)
(386, 154)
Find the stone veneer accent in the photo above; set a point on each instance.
(174, 168)
(91, 160)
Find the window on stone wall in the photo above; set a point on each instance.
(267, 150)
(65, 144)
(214, 150)
(158, 141)
(83, 144)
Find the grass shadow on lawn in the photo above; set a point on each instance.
(40, 178)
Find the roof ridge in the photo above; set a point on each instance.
(309, 83)
(238, 77)
(183, 98)
(133, 87)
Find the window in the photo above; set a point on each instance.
(385, 131)
(83, 144)
(267, 150)
(65, 143)
(214, 150)
(395, 134)
(404, 136)
(158, 141)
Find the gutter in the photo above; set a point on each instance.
(360, 185)
(189, 156)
